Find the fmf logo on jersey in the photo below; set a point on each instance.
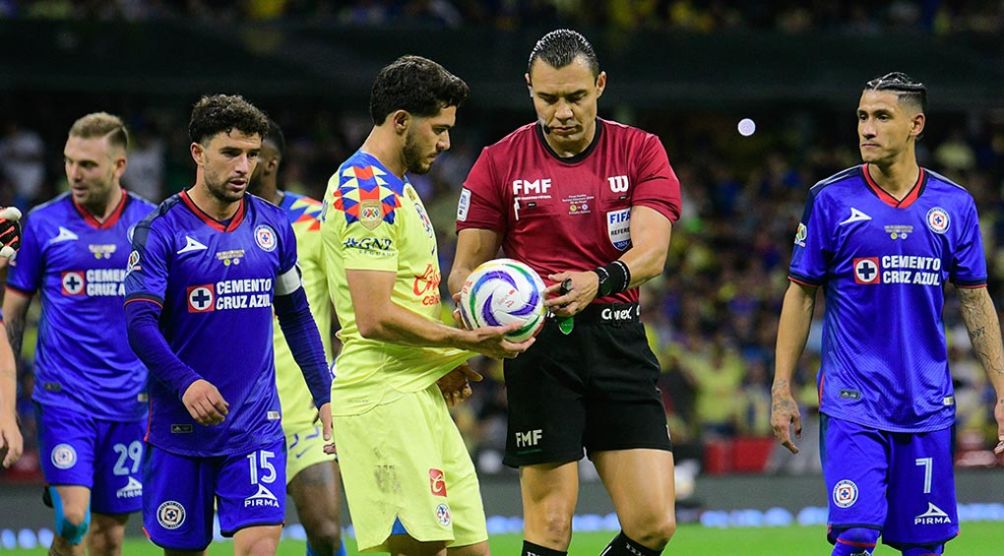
(937, 220)
(866, 271)
(524, 188)
(264, 236)
(247, 293)
(437, 482)
(845, 493)
(619, 228)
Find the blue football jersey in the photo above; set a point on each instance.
(214, 283)
(883, 264)
(78, 264)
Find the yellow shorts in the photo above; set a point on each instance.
(405, 460)
(303, 449)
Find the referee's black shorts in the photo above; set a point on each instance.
(593, 389)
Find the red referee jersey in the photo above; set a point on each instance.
(568, 214)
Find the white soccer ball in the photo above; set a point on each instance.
(502, 292)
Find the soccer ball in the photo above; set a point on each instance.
(502, 292)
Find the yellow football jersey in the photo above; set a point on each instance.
(373, 220)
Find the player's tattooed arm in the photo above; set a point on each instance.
(15, 309)
(984, 329)
(980, 316)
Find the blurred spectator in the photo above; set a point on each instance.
(22, 159)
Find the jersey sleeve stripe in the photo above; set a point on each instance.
(803, 280)
(970, 284)
(144, 297)
(21, 290)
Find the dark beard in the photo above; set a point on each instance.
(413, 158)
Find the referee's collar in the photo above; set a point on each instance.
(600, 124)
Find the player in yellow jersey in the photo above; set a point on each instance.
(312, 477)
(409, 480)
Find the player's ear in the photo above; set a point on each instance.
(601, 83)
(198, 153)
(401, 119)
(529, 85)
(120, 164)
(919, 121)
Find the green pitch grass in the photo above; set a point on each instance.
(977, 539)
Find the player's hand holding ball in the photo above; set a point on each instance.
(571, 292)
(10, 232)
(501, 306)
(206, 405)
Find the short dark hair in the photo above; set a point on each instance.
(102, 124)
(560, 48)
(275, 135)
(913, 92)
(222, 113)
(417, 85)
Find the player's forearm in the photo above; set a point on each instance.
(984, 329)
(792, 332)
(151, 347)
(14, 311)
(8, 382)
(458, 275)
(304, 341)
(400, 326)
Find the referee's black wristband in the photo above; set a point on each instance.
(614, 278)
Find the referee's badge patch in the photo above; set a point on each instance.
(845, 493)
(619, 228)
(937, 220)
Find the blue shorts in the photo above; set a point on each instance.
(104, 456)
(247, 489)
(901, 484)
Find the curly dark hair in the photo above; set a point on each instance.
(417, 85)
(221, 113)
(561, 47)
(906, 88)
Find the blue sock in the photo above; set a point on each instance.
(310, 551)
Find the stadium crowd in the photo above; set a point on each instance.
(700, 16)
(711, 318)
